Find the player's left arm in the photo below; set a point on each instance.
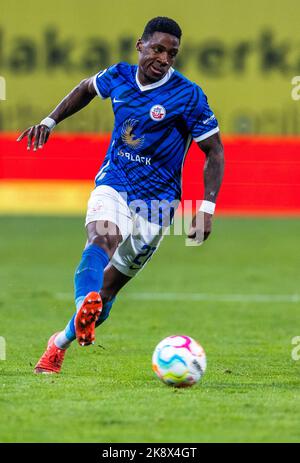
(201, 225)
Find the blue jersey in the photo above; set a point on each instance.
(154, 127)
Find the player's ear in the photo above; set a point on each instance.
(139, 45)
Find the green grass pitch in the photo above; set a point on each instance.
(107, 392)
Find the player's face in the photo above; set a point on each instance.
(156, 56)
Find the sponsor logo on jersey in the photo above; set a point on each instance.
(157, 112)
(135, 158)
(128, 136)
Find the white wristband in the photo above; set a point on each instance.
(207, 206)
(49, 122)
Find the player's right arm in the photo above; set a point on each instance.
(78, 98)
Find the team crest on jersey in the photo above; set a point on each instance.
(128, 136)
(157, 112)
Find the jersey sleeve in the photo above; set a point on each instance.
(102, 83)
(201, 121)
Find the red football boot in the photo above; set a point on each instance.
(86, 318)
(52, 359)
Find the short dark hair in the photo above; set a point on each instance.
(162, 24)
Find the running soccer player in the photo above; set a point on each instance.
(157, 114)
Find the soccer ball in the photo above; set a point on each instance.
(179, 361)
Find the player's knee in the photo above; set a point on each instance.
(104, 234)
(107, 243)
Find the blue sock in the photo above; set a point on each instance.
(89, 273)
(70, 329)
(88, 277)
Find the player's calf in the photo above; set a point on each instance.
(107, 305)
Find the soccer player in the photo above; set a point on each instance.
(157, 114)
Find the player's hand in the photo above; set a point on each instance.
(37, 136)
(201, 226)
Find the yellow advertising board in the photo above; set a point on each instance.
(244, 54)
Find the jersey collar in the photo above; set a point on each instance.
(143, 88)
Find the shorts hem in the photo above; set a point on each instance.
(125, 270)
